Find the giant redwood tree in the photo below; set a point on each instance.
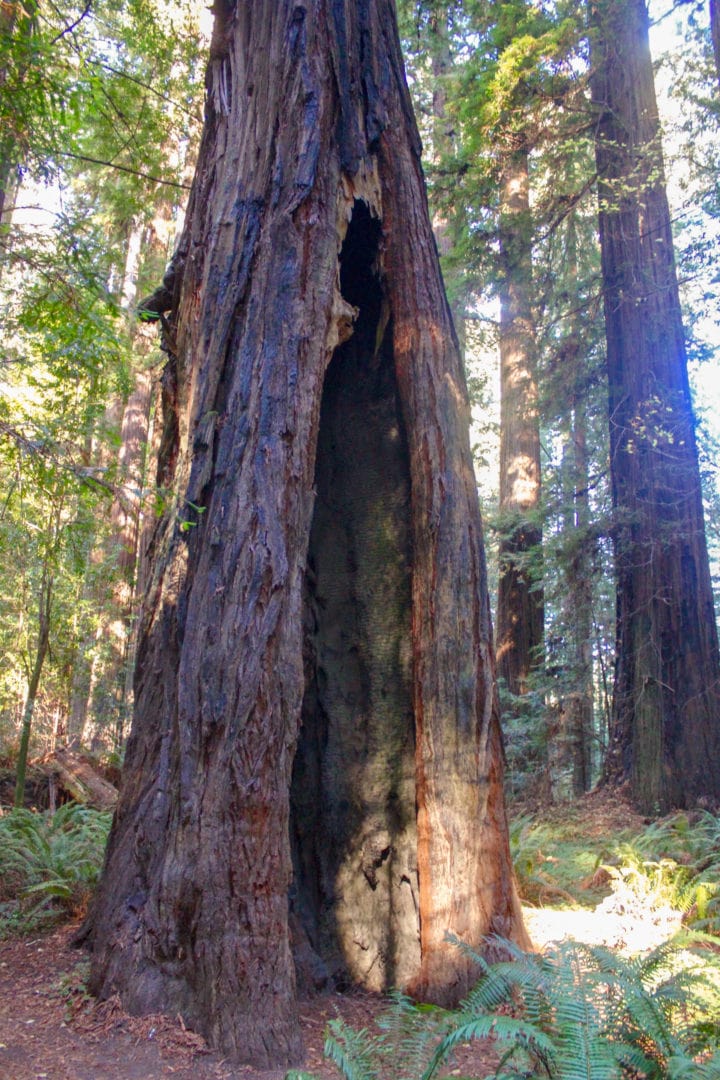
(666, 737)
(313, 779)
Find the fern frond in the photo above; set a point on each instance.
(502, 1028)
(583, 1054)
(492, 990)
(467, 950)
(682, 1067)
(58, 856)
(635, 1062)
(410, 1034)
(354, 1052)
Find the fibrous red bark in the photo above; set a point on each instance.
(666, 726)
(320, 558)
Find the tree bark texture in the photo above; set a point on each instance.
(666, 712)
(320, 557)
(519, 632)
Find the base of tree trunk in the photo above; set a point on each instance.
(315, 764)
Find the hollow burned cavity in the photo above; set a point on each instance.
(354, 897)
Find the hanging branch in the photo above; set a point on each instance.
(126, 169)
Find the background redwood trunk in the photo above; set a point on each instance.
(519, 635)
(666, 731)
(308, 249)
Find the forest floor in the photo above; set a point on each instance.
(51, 1030)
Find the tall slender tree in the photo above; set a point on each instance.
(578, 702)
(519, 635)
(666, 713)
(572, 385)
(311, 350)
(42, 644)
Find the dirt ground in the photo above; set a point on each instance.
(50, 1031)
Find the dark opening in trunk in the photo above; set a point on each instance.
(354, 899)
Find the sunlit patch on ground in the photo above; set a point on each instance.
(621, 921)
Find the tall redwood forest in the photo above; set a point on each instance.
(358, 479)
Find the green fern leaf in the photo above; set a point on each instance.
(355, 1053)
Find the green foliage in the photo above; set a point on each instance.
(671, 863)
(554, 861)
(65, 355)
(680, 854)
(658, 882)
(525, 733)
(49, 863)
(571, 1013)
(73, 989)
(402, 1047)
(86, 96)
(94, 84)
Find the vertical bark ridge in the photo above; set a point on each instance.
(667, 679)
(192, 914)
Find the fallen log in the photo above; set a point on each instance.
(77, 777)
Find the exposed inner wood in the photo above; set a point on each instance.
(353, 794)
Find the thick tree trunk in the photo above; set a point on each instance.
(311, 349)
(519, 636)
(666, 726)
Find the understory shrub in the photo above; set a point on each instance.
(673, 862)
(573, 1012)
(49, 863)
(687, 847)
